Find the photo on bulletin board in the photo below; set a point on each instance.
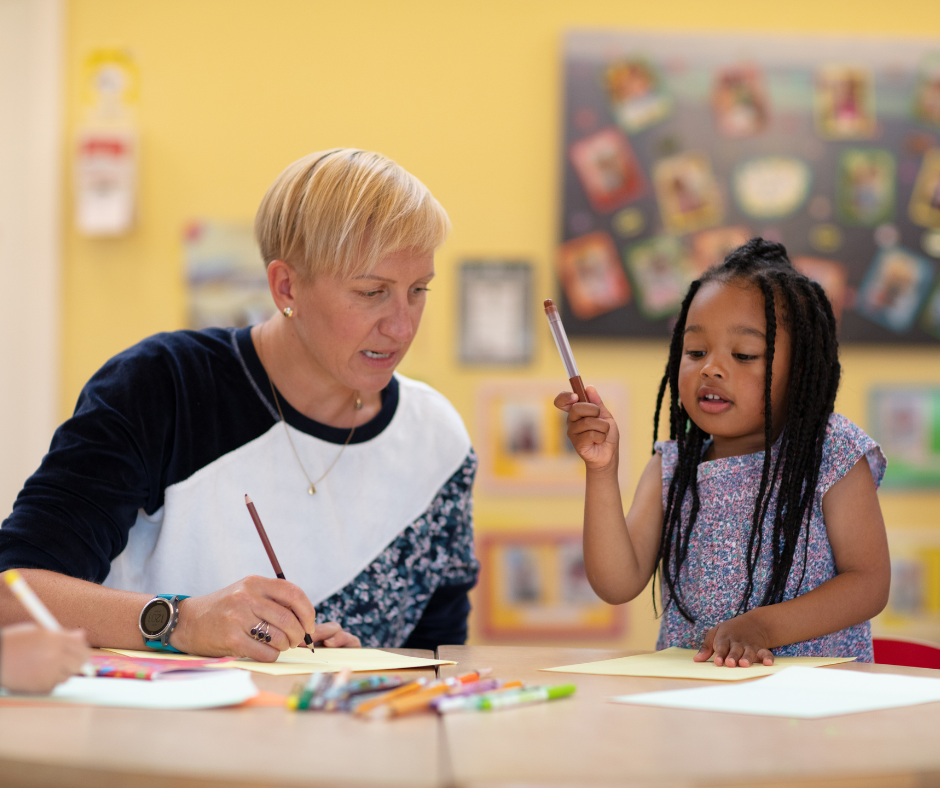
(226, 278)
(913, 609)
(677, 147)
(522, 441)
(495, 312)
(906, 422)
(534, 585)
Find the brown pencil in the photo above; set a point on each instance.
(270, 551)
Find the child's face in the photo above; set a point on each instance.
(721, 375)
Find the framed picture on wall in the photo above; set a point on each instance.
(495, 312)
(913, 608)
(522, 437)
(533, 585)
(905, 420)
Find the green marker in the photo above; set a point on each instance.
(507, 699)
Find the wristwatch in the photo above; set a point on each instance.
(158, 620)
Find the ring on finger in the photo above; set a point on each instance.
(261, 631)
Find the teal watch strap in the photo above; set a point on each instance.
(162, 643)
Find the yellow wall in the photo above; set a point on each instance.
(466, 96)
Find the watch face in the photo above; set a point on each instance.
(155, 618)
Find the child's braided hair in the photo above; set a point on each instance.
(814, 380)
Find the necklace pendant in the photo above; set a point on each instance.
(311, 490)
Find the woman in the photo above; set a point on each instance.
(361, 477)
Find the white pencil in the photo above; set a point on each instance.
(31, 602)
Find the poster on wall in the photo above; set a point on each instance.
(905, 420)
(533, 585)
(678, 148)
(226, 279)
(522, 437)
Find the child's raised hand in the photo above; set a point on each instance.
(591, 428)
(739, 641)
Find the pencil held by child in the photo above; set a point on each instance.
(36, 658)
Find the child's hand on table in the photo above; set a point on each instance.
(591, 428)
(739, 641)
(35, 660)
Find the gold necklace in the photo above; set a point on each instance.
(357, 404)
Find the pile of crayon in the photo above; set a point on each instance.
(388, 697)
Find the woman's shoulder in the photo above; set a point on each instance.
(421, 399)
(164, 364)
(844, 445)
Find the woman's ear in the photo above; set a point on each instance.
(282, 280)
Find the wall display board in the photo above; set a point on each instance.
(534, 586)
(677, 148)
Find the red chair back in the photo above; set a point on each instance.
(911, 653)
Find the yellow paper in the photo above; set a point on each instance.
(677, 663)
(300, 661)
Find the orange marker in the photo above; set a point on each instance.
(399, 692)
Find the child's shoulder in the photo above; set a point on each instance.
(844, 445)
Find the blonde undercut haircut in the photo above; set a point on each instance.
(341, 211)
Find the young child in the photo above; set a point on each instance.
(760, 514)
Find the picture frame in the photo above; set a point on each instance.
(496, 312)
(521, 436)
(905, 420)
(533, 586)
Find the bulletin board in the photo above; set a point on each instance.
(678, 148)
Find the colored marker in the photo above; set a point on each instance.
(399, 692)
(421, 701)
(564, 349)
(504, 700)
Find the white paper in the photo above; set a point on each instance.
(801, 692)
(207, 690)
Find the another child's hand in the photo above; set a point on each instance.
(740, 641)
(591, 428)
(35, 660)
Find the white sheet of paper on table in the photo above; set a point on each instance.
(301, 661)
(800, 692)
(205, 690)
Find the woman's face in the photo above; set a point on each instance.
(358, 330)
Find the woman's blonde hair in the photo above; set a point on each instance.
(341, 211)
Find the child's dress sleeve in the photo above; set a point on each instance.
(845, 444)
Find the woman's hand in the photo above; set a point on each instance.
(740, 641)
(35, 660)
(332, 635)
(591, 429)
(219, 624)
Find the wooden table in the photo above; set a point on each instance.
(97, 747)
(583, 740)
(586, 740)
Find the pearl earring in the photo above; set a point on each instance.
(288, 312)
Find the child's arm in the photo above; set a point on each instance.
(858, 592)
(619, 554)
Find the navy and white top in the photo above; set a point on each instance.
(143, 489)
